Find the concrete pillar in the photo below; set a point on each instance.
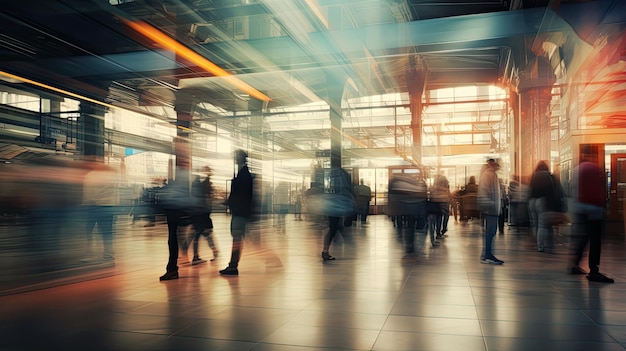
(92, 116)
(535, 95)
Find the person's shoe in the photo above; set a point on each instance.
(327, 257)
(215, 255)
(491, 261)
(599, 277)
(169, 276)
(229, 271)
(497, 260)
(197, 260)
(436, 243)
(577, 270)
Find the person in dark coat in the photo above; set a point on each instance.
(545, 195)
(240, 202)
(180, 204)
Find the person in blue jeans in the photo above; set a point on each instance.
(490, 204)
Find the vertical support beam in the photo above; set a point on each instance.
(416, 82)
(515, 141)
(93, 130)
(335, 83)
(335, 97)
(256, 147)
(182, 143)
(184, 107)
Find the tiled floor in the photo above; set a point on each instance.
(371, 298)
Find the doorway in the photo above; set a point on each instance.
(617, 188)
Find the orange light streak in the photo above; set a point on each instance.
(58, 90)
(166, 41)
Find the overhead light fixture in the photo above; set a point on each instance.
(166, 41)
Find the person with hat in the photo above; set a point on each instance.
(490, 204)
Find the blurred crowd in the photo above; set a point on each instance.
(69, 209)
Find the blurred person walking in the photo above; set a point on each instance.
(180, 204)
(589, 183)
(363, 195)
(201, 221)
(489, 202)
(407, 201)
(101, 201)
(471, 186)
(545, 198)
(440, 194)
(340, 205)
(281, 206)
(240, 202)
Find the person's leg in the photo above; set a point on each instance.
(430, 228)
(185, 237)
(409, 234)
(541, 233)
(366, 210)
(594, 231)
(438, 221)
(345, 228)
(198, 223)
(532, 216)
(422, 217)
(173, 218)
(238, 232)
(445, 217)
(491, 226)
(578, 243)
(399, 222)
(209, 237)
(90, 223)
(333, 226)
(105, 224)
(549, 239)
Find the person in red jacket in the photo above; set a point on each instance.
(589, 199)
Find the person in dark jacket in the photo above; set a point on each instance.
(545, 195)
(240, 202)
(179, 204)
